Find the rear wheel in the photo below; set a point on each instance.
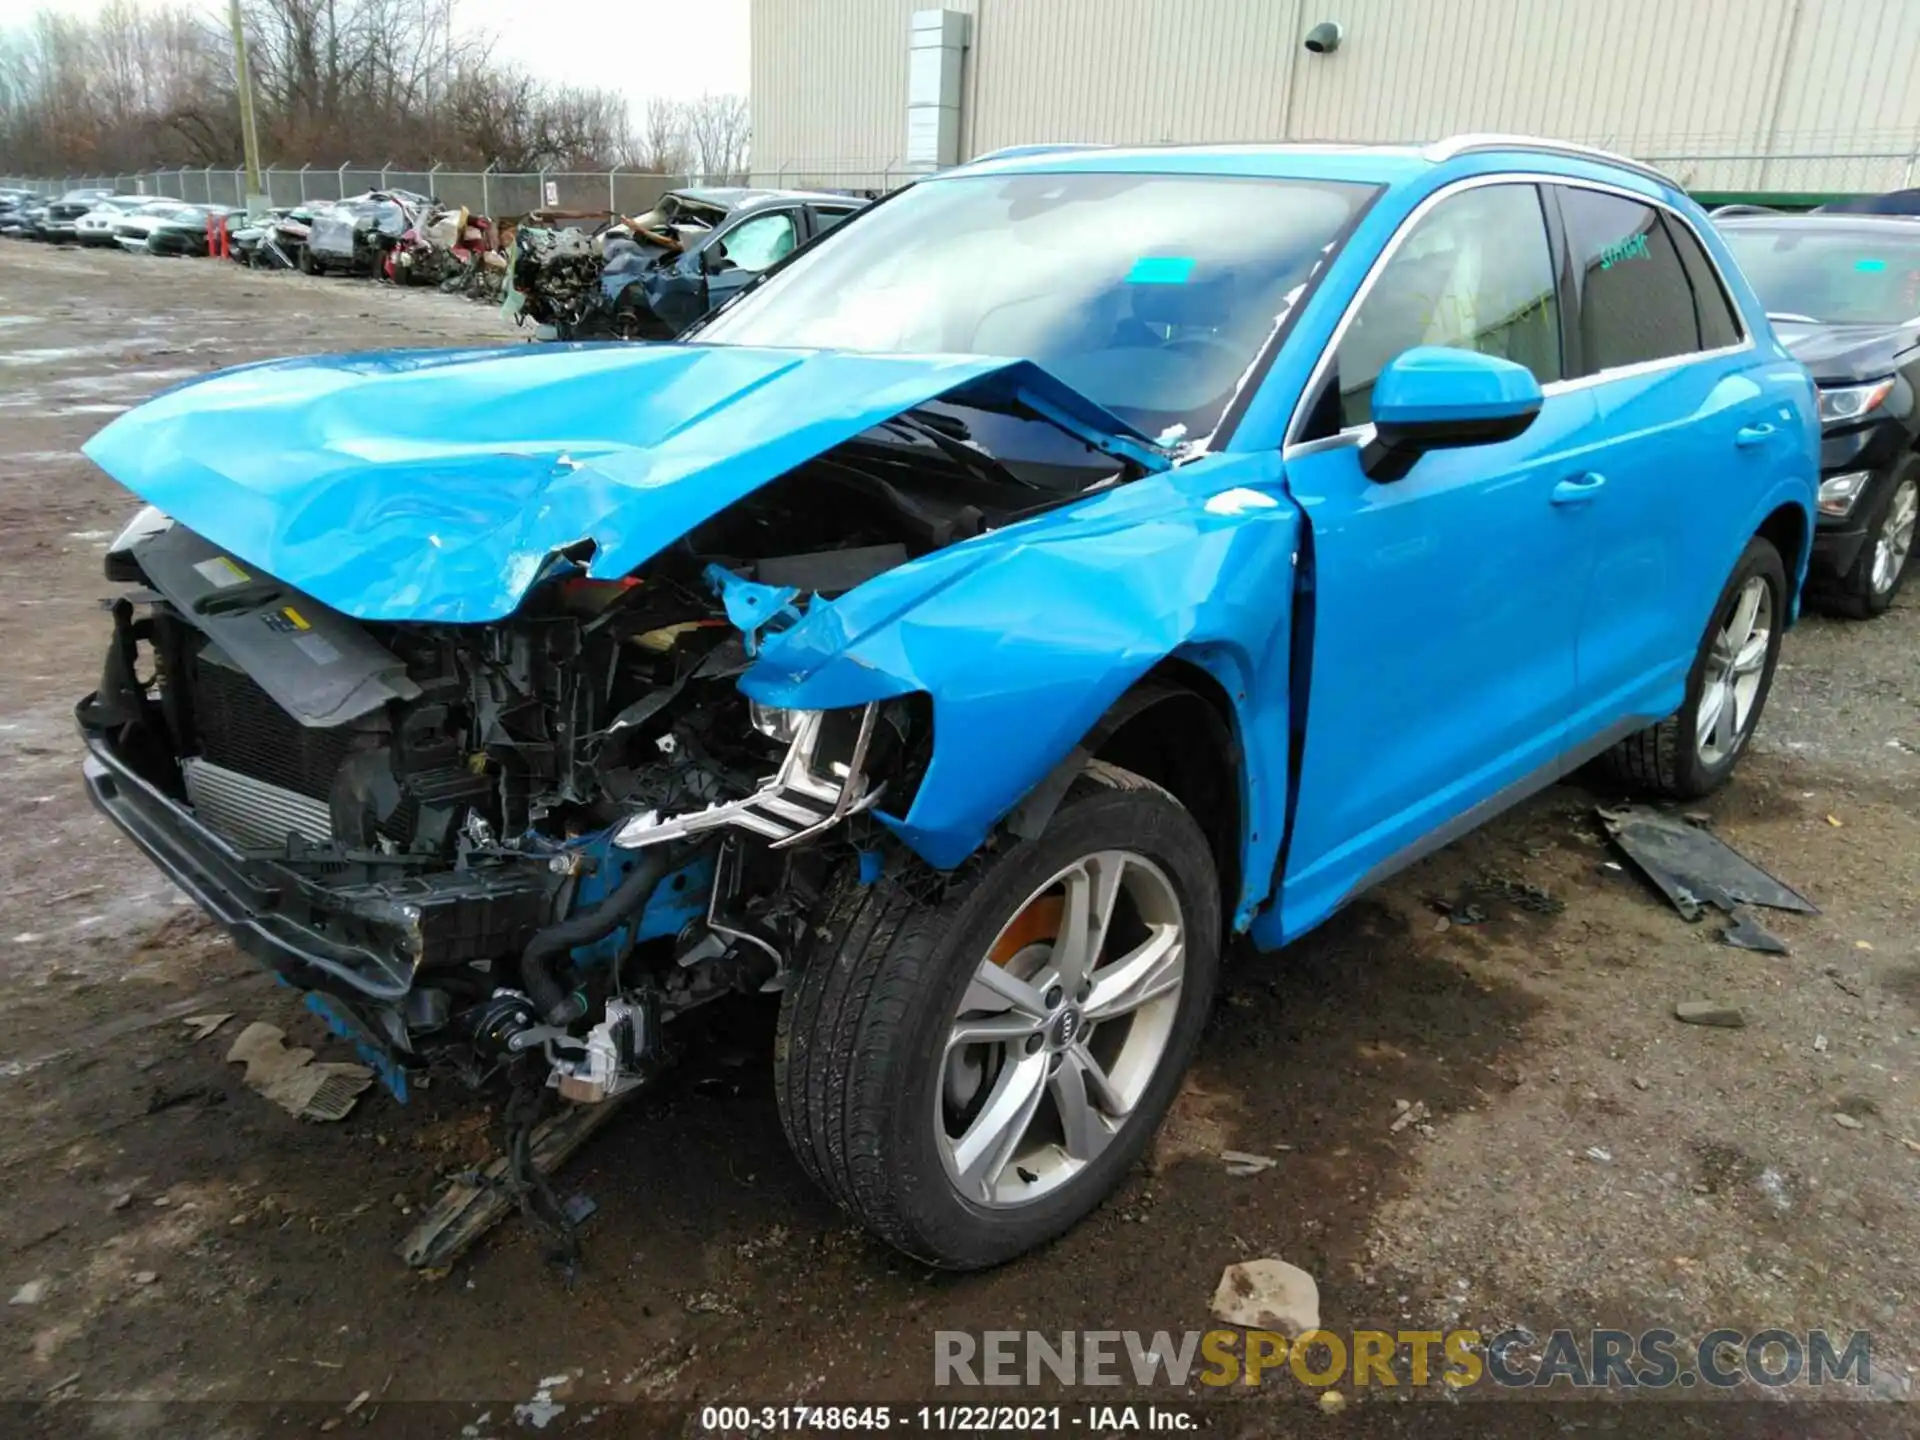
(969, 1073)
(1696, 748)
(1869, 587)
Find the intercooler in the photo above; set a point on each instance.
(250, 812)
(260, 773)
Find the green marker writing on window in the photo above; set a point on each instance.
(1632, 248)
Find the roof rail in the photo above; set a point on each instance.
(1467, 144)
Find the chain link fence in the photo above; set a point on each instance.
(1806, 174)
(487, 192)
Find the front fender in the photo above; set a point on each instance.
(1025, 637)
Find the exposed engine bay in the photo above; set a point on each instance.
(535, 842)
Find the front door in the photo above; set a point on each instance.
(737, 256)
(1445, 603)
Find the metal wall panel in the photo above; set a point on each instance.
(1705, 87)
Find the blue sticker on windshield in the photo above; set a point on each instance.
(1871, 267)
(1160, 270)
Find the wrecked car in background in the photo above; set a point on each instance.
(970, 629)
(651, 276)
(274, 241)
(354, 236)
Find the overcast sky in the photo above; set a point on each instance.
(642, 48)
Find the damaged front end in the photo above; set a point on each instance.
(547, 834)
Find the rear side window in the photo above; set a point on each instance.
(1719, 325)
(1636, 300)
(1475, 274)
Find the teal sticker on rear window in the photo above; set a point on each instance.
(1160, 270)
(1870, 267)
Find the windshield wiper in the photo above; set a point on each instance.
(976, 463)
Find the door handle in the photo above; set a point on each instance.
(1749, 435)
(1579, 490)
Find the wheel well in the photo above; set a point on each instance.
(1786, 530)
(1176, 728)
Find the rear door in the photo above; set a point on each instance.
(823, 218)
(1688, 439)
(1445, 604)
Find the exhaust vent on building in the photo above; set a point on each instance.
(936, 46)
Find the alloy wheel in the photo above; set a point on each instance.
(1736, 665)
(1895, 540)
(1063, 1025)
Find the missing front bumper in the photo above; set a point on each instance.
(363, 942)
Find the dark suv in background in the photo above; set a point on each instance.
(1843, 292)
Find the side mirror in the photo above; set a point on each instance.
(1434, 398)
(713, 259)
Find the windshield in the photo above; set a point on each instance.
(1150, 294)
(1837, 276)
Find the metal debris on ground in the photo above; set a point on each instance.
(1240, 1162)
(474, 1203)
(201, 1026)
(288, 1075)
(1694, 868)
(1469, 905)
(1708, 1012)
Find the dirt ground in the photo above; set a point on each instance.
(203, 1264)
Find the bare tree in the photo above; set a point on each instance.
(150, 83)
(718, 131)
(662, 144)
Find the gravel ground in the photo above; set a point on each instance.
(197, 1262)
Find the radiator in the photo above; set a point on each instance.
(252, 813)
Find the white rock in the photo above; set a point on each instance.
(1268, 1295)
(30, 1293)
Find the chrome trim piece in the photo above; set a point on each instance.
(796, 804)
(1290, 446)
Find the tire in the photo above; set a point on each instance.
(1669, 759)
(874, 1092)
(308, 265)
(1882, 564)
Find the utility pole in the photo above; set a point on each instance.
(249, 138)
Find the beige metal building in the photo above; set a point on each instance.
(1729, 95)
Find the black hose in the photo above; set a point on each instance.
(622, 904)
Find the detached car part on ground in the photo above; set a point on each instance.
(1844, 293)
(513, 703)
(651, 276)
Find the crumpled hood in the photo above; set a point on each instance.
(438, 485)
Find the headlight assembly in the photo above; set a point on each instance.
(1844, 403)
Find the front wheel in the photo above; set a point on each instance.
(1695, 750)
(1869, 587)
(968, 1073)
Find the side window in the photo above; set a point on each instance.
(755, 244)
(1475, 273)
(824, 220)
(1719, 325)
(1636, 302)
